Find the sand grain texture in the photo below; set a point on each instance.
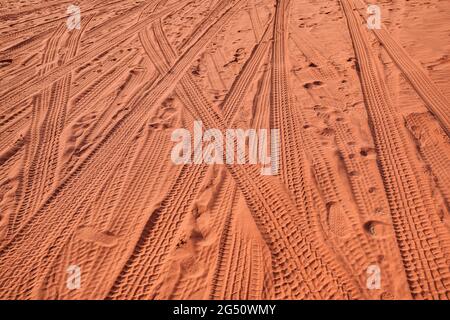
(86, 177)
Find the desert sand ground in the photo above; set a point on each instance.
(358, 210)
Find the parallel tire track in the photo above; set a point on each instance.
(424, 243)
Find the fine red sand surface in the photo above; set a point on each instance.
(359, 209)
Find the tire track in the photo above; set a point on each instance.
(43, 30)
(422, 239)
(425, 87)
(272, 227)
(80, 194)
(256, 22)
(165, 223)
(200, 101)
(16, 94)
(93, 93)
(294, 174)
(346, 224)
(434, 146)
(46, 127)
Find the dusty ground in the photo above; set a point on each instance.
(87, 181)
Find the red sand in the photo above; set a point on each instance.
(359, 210)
